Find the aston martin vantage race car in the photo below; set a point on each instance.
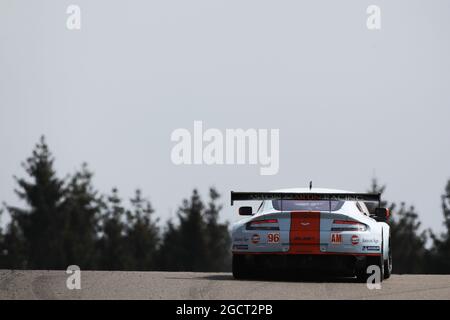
(318, 230)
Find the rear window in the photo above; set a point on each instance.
(306, 205)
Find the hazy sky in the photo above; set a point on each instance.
(349, 102)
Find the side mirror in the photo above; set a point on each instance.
(382, 214)
(245, 211)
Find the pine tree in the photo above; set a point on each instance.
(82, 207)
(192, 234)
(35, 230)
(184, 246)
(407, 244)
(170, 249)
(198, 242)
(13, 254)
(218, 236)
(439, 258)
(111, 246)
(2, 243)
(142, 235)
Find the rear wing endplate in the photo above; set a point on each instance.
(311, 196)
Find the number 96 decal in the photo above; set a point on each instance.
(273, 238)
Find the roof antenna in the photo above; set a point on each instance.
(310, 185)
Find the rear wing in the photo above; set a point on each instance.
(311, 196)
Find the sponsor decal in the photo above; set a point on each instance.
(371, 248)
(255, 238)
(370, 241)
(305, 224)
(355, 239)
(306, 238)
(241, 239)
(336, 238)
(240, 247)
(273, 238)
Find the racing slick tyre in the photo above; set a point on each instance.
(388, 263)
(362, 275)
(240, 267)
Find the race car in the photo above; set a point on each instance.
(318, 230)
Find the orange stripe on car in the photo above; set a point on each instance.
(304, 234)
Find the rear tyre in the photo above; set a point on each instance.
(361, 273)
(388, 263)
(240, 267)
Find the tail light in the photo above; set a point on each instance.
(345, 225)
(267, 224)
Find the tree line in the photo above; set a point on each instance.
(65, 221)
(415, 250)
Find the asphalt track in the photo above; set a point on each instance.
(189, 285)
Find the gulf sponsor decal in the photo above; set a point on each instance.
(355, 239)
(255, 238)
(336, 238)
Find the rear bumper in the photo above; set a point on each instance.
(342, 264)
(362, 254)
